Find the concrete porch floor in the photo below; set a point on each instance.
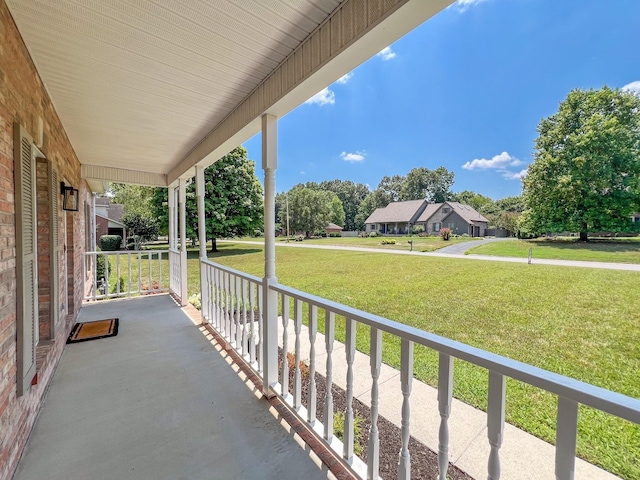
(157, 401)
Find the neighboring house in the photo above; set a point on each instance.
(459, 218)
(635, 217)
(397, 218)
(109, 219)
(333, 228)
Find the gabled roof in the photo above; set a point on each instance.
(396, 212)
(333, 226)
(466, 212)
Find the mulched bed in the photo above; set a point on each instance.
(424, 462)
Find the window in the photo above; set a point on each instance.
(450, 225)
(446, 210)
(436, 226)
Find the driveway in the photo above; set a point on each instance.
(460, 248)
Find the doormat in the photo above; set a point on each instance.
(84, 331)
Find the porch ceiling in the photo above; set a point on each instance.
(141, 85)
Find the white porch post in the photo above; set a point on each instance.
(270, 298)
(172, 214)
(182, 200)
(202, 241)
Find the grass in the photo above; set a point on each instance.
(617, 251)
(577, 322)
(581, 323)
(420, 244)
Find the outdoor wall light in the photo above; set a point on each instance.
(70, 200)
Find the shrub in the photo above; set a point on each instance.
(373, 234)
(445, 233)
(388, 241)
(299, 238)
(335, 234)
(464, 235)
(119, 285)
(196, 301)
(258, 233)
(417, 229)
(100, 266)
(338, 430)
(110, 243)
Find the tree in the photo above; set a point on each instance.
(431, 185)
(376, 199)
(504, 213)
(351, 195)
(310, 209)
(233, 200)
(392, 187)
(586, 170)
(337, 211)
(473, 199)
(134, 198)
(141, 227)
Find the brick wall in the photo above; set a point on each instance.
(23, 99)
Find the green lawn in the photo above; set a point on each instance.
(618, 251)
(420, 244)
(582, 323)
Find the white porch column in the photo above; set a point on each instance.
(270, 298)
(202, 242)
(172, 215)
(182, 200)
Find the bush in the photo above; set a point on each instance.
(110, 243)
(119, 285)
(299, 238)
(196, 301)
(100, 266)
(388, 241)
(417, 229)
(373, 234)
(338, 430)
(445, 233)
(464, 235)
(335, 234)
(258, 233)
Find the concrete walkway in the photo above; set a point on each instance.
(156, 402)
(462, 247)
(523, 456)
(536, 261)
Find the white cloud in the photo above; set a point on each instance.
(386, 53)
(345, 78)
(633, 87)
(514, 175)
(464, 5)
(353, 157)
(323, 97)
(302, 172)
(497, 161)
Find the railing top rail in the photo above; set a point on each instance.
(173, 250)
(246, 276)
(581, 392)
(124, 252)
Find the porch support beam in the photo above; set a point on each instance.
(182, 200)
(270, 298)
(171, 194)
(202, 240)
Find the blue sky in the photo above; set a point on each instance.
(465, 90)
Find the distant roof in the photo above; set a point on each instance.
(467, 212)
(333, 226)
(115, 211)
(396, 212)
(102, 201)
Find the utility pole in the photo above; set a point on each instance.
(287, 197)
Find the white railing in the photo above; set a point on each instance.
(126, 273)
(175, 282)
(228, 297)
(232, 304)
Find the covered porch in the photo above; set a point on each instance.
(161, 401)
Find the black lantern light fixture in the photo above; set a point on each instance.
(70, 198)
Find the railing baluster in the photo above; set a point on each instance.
(225, 292)
(445, 392)
(285, 345)
(118, 274)
(245, 334)
(106, 275)
(495, 421)
(566, 428)
(129, 274)
(297, 380)
(95, 276)
(349, 347)
(252, 332)
(219, 312)
(159, 271)
(233, 325)
(260, 329)
(238, 314)
(313, 330)
(375, 359)
(329, 334)
(150, 276)
(140, 274)
(406, 377)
